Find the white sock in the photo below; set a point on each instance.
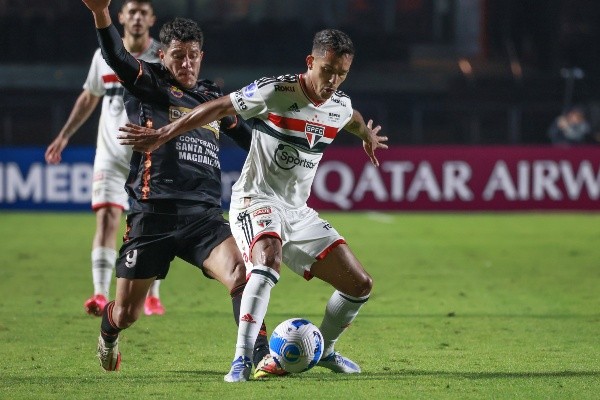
(154, 289)
(340, 311)
(103, 263)
(253, 308)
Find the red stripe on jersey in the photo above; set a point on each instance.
(299, 125)
(112, 78)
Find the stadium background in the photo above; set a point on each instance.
(449, 80)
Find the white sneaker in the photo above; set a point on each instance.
(108, 354)
(240, 370)
(338, 363)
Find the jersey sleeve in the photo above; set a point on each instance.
(117, 57)
(240, 132)
(349, 112)
(249, 101)
(93, 82)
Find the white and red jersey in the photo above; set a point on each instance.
(289, 134)
(102, 82)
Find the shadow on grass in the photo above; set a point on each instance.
(418, 373)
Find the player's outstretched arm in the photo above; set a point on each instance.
(83, 108)
(148, 139)
(368, 134)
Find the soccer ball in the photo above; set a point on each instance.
(297, 344)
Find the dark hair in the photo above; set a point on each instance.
(333, 40)
(125, 2)
(182, 30)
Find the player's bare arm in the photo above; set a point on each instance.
(83, 108)
(148, 139)
(368, 134)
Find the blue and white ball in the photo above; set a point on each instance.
(297, 344)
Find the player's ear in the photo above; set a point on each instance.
(309, 61)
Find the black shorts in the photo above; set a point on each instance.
(157, 234)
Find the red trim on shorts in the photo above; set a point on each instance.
(333, 245)
(272, 234)
(98, 206)
(307, 275)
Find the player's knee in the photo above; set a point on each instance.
(237, 275)
(363, 286)
(124, 317)
(367, 285)
(267, 252)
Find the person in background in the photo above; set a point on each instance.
(571, 128)
(111, 163)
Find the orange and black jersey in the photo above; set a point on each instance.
(187, 167)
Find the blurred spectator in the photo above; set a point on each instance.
(571, 127)
(594, 118)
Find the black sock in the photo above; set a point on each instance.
(108, 329)
(261, 346)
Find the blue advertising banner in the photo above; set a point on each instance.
(27, 182)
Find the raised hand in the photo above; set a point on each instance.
(141, 138)
(96, 5)
(374, 142)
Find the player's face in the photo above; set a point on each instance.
(183, 59)
(137, 18)
(326, 72)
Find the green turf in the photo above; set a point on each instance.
(464, 306)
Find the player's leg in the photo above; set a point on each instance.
(108, 202)
(315, 248)
(120, 314)
(261, 245)
(147, 251)
(103, 256)
(267, 251)
(226, 265)
(343, 271)
(252, 310)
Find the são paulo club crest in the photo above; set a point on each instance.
(313, 133)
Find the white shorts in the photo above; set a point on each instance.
(108, 187)
(305, 237)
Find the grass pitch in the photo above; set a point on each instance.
(503, 306)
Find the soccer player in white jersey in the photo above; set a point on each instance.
(294, 118)
(111, 163)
